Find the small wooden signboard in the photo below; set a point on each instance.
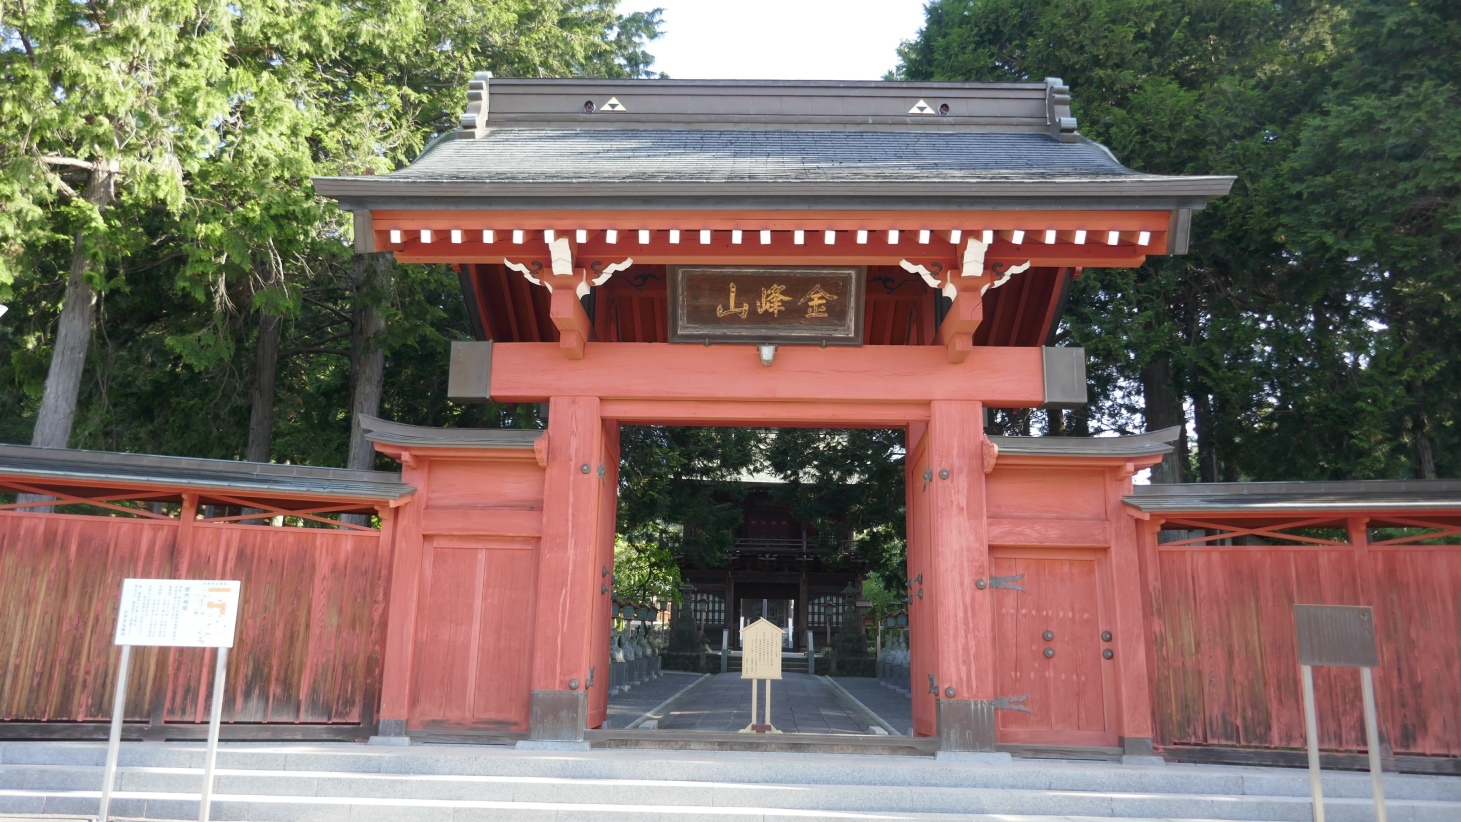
(761, 659)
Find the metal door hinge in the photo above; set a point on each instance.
(1012, 703)
(1011, 583)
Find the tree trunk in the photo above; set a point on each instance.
(73, 330)
(1425, 456)
(1055, 425)
(367, 358)
(1203, 420)
(261, 401)
(1164, 410)
(57, 413)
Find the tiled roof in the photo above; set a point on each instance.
(1137, 445)
(58, 466)
(1278, 497)
(724, 144)
(750, 156)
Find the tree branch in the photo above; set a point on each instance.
(53, 160)
(65, 189)
(329, 308)
(294, 352)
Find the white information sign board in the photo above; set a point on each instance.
(186, 613)
(179, 613)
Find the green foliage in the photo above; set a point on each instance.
(678, 489)
(218, 115)
(645, 571)
(1312, 331)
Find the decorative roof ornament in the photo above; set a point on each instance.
(474, 117)
(921, 107)
(947, 286)
(1057, 110)
(560, 261)
(528, 271)
(613, 105)
(604, 272)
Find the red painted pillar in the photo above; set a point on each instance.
(398, 664)
(922, 623)
(569, 570)
(958, 543)
(1131, 631)
(598, 691)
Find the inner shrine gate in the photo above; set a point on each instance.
(769, 254)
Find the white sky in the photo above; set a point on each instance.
(780, 39)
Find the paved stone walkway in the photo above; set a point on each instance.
(890, 706)
(799, 704)
(637, 701)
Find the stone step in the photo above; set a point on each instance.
(276, 783)
(165, 793)
(769, 768)
(227, 808)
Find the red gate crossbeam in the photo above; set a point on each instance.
(307, 513)
(1442, 531)
(62, 498)
(1229, 532)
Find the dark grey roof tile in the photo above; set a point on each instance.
(710, 156)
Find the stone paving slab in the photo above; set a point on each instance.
(800, 703)
(638, 700)
(890, 706)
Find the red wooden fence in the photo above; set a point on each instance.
(310, 630)
(1225, 670)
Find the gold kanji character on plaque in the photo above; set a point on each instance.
(772, 300)
(742, 309)
(816, 301)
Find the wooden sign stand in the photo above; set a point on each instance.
(761, 659)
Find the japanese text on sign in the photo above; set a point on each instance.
(761, 650)
(178, 612)
(821, 305)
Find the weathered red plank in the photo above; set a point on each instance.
(296, 614)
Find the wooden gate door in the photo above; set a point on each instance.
(1049, 645)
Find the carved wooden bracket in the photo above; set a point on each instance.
(574, 328)
(991, 454)
(956, 332)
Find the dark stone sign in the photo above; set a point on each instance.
(808, 306)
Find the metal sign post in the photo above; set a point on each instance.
(173, 613)
(1339, 635)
